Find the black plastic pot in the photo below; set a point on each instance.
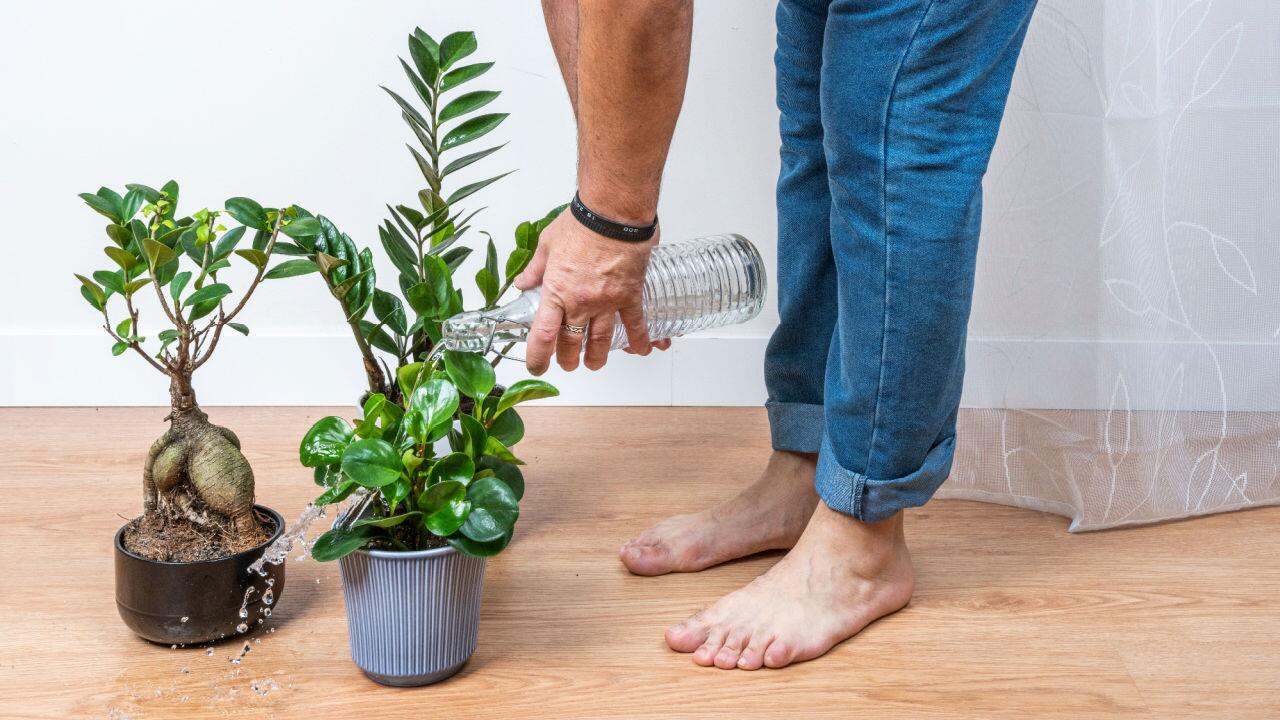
(194, 602)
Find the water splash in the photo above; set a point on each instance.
(245, 650)
(262, 686)
(277, 551)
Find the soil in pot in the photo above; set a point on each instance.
(190, 533)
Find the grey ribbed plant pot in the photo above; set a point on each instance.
(412, 616)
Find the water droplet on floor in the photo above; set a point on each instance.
(173, 647)
(263, 686)
(208, 651)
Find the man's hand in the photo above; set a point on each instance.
(586, 280)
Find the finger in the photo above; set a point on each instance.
(637, 331)
(662, 344)
(543, 335)
(599, 338)
(569, 344)
(531, 277)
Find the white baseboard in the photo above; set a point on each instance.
(65, 370)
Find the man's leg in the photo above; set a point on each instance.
(912, 95)
(772, 512)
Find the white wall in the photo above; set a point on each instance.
(279, 100)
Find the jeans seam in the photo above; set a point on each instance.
(884, 214)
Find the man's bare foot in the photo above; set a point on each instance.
(841, 576)
(768, 515)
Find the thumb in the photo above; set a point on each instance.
(531, 277)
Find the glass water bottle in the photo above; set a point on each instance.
(689, 286)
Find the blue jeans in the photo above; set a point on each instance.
(889, 113)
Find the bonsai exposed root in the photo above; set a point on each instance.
(196, 476)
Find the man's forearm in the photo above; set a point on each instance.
(632, 62)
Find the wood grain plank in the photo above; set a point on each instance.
(1013, 617)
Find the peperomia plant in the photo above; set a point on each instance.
(418, 497)
(417, 396)
(195, 471)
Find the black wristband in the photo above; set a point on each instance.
(601, 225)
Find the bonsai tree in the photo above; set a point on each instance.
(195, 472)
(413, 496)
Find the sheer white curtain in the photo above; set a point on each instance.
(1124, 348)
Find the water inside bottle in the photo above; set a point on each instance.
(689, 286)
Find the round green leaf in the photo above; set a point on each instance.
(470, 372)
(506, 472)
(247, 212)
(324, 442)
(508, 428)
(371, 462)
(524, 391)
(455, 466)
(436, 399)
(494, 510)
(462, 543)
(446, 506)
(340, 542)
(336, 494)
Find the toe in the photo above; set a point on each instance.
(727, 658)
(752, 657)
(646, 559)
(778, 654)
(706, 654)
(688, 635)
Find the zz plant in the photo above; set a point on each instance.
(195, 470)
(415, 495)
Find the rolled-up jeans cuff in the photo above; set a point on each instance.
(875, 499)
(795, 427)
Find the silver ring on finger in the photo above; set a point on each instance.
(573, 329)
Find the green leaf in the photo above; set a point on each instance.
(506, 472)
(386, 522)
(408, 376)
(396, 492)
(228, 242)
(336, 494)
(493, 446)
(436, 399)
(410, 112)
(303, 227)
(469, 130)
(454, 258)
(494, 510)
(524, 391)
(517, 261)
(456, 46)
(390, 312)
(179, 284)
(470, 372)
(95, 295)
(508, 428)
(464, 544)
(432, 46)
(121, 257)
(209, 293)
(468, 190)
(133, 286)
(425, 59)
(371, 462)
(112, 281)
(378, 337)
(324, 442)
(149, 194)
(247, 212)
(131, 203)
(255, 257)
(446, 506)
(119, 348)
(463, 73)
(466, 160)
(106, 207)
(397, 248)
(466, 103)
(471, 437)
(158, 253)
(244, 330)
(123, 328)
(291, 268)
(457, 467)
(340, 542)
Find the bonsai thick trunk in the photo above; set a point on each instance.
(197, 460)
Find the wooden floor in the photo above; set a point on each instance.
(1013, 617)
